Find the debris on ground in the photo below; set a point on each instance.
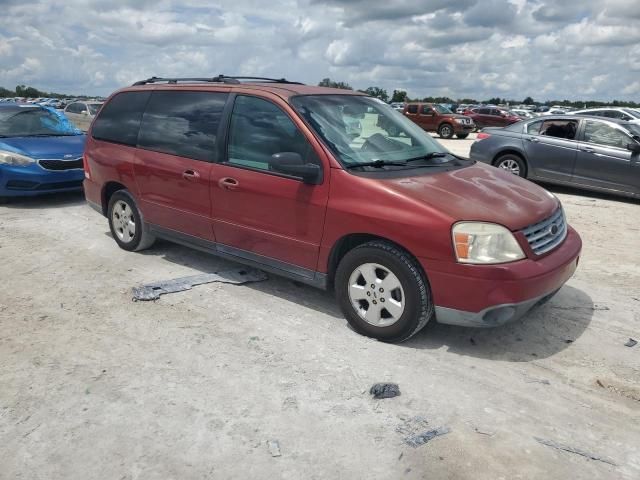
(236, 276)
(484, 432)
(422, 438)
(536, 380)
(631, 343)
(472, 341)
(384, 390)
(274, 448)
(577, 451)
(414, 430)
(600, 384)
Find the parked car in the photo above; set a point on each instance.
(627, 114)
(522, 113)
(266, 174)
(82, 113)
(491, 117)
(40, 152)
(554, 111)
(588, 152)
(432, 117)
(397, 106)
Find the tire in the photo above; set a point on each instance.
(411, 302)
(462, 136)
(445, 130)
(512, 163)
(125, 221)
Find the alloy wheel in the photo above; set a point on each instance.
(123, 221)
(376, 294)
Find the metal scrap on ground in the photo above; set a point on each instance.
(236, 276)
(631, 343)
(577, 451)
(274, 448)
(424, 437)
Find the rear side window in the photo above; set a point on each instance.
(182, 123)
(412, 109)
(560, 128)
(119, 120)
(426, 109)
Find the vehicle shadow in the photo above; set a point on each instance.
(588, 194)
(541, 333)
(49, 200)
(284, 288)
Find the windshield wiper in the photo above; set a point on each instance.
(378, 163)
(429, 156)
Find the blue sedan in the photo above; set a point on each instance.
(40, 151)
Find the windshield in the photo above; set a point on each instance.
(361, 129)
(30, 122)
(442, 109)
(94, 107)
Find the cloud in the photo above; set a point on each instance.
(546, 49)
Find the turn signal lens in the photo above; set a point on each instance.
(482, 136)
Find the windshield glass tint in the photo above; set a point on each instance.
(94, 107)
(634, 129)
(361, 129)
(34, 122)
(442, 109)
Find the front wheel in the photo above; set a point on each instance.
(512, 164)
(382, 292)
(462, 136)
(445, 130)
(126, 224)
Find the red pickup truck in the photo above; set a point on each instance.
(436, 118)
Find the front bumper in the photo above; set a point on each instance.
(34, 180)
(491, 295)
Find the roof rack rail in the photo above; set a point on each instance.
(218, 79)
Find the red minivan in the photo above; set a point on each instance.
(274, 174)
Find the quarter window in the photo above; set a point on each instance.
(603, 134)
(182, 123)
(258, 130)
(534, 127)
(119, 120)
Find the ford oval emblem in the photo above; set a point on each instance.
(68, 155)
(554, 229)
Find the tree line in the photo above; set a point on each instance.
(31, 92)
(402, 96)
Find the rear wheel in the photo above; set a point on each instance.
(382, 292)
(512, 163)
(126, 224)
(445, 130)
(462, 136)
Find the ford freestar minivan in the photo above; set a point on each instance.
(271, 173)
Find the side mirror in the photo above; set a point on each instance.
(290, 163)
(634, 147)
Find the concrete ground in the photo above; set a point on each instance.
(194, 385)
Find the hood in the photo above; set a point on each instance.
(45, 147)
(456, 115)
(479, 192)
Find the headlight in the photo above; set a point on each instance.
(459, 120)
(11, 158)
(485, 243)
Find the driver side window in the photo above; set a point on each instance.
(259, 129)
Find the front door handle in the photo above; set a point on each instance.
(228, 183)
(190, 175)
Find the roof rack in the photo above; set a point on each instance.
(218, 79)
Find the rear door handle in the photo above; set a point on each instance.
(587, 149)
(533, 139)
(228, 183)
(190, 175)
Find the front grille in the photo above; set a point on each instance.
(25, 185)
(547, 234)
(61, 164)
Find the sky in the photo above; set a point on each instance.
(573, 49)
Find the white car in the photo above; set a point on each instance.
(522, 113)
(627, 114)
(82, 113)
